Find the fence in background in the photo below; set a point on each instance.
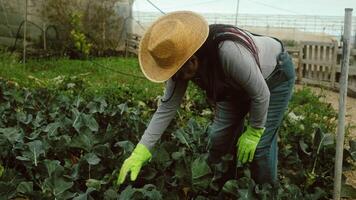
(131, 44)
(317, 63)
(330, 25)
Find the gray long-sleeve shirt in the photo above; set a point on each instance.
(240, 69)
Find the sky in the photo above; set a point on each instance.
(277, 7)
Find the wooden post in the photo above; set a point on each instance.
(237, 11)
(342, 102)
(25, 33)
(300, 64)
(334, 64)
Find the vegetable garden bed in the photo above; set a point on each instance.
(58, 144)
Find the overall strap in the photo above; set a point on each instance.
(241, 36)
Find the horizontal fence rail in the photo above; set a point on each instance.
(131, 44)
(317, 63)
(331, 25)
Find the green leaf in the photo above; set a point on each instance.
(181, 170)
(22, 158)
(34, 135)
(148, 173)
(348, 191)
(242, 188)
(103, 150)
(201, 173)
(103, 104)
(201, 198)
(38, 120)
(110, 194)
(78, 120)
(264, 191)
(178, 155)
(320, 140)
(78, 100)
(84, 196)
(12, 134)
(51, 128)
(150, 192)
(93, 108)
(90, 122)
(231, 187)
(329, 139)
(161, 156)
(66, 195)
(128, 146)
(123, 108)
(194, 129)
(92, 159)
(94, 183)
(53, 167)
(56, 185)
(317, 194)
(303, 146)
(75, 171)
(127, 193)
(352, 149)
(36, 147)
(7, 190)
(25, 187)
(183, 137)
(85, 140)
(246, 186)
(22, 117)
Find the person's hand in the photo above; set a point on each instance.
(247, 143)
(133, 164)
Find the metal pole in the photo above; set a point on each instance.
(355, 39)
(342, 102)
(237, 11)
(25, 33)
(129, 26)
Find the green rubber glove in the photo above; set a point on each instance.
(247, 143)
(138, 157)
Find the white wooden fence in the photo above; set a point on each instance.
(317, 63)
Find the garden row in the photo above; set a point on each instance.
(61, 144)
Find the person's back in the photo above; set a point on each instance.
(254, 70)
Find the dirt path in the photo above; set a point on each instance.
(333, 98)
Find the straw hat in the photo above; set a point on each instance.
(169, 42)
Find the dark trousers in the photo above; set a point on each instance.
(229, 120)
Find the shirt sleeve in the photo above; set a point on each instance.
(242, 70)
(167, 108)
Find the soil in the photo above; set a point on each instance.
(350, 119)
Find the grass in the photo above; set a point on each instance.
(100, 75)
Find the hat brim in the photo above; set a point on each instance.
(195, 26)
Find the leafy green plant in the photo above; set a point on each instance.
(60, 145)
(98, 21)
(78, 37)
